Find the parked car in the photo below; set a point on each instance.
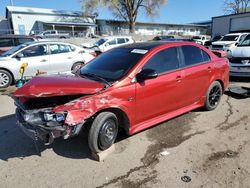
(208, 44)
(163, 37)
(133, 87)
(229, 41)
(9, 41)
(49, 57)
(107, 43)
(240, 59)
(52, 34)
(201, 39)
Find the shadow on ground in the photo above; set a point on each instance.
(15, 144)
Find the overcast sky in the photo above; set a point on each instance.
(175, 11)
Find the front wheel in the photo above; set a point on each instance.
(103, 132)
(213, 96)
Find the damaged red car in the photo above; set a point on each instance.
(131, 87)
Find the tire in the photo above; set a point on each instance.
(76, 67)
(103, 132)
(5, 79)
(213, 96)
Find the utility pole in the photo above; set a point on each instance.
(11, 2)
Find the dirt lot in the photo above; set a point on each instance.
(208, 149)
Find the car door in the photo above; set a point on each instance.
(110, 44)
(198, 69)
(161, 95)
(61, 57)
(37, 58)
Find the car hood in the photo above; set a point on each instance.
(58, 85)
(5, 58)
(243, 51)
(223, 42)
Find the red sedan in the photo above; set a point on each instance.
(132, 87)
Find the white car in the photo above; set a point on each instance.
(201, 39)
(108, 43)
(239, 59)
(229, 41)
(49, 57)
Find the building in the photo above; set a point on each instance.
(26, 20)
(120, 27)
(4, 26)
(222, 25)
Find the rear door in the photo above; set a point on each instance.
(198, 72)
(61, 58)
(161, 95)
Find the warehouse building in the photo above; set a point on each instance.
(26, 20)
(222, 25)
(120, 27)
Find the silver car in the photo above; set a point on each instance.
(49, 57)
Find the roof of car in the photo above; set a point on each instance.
(47, 42)
(148, 45)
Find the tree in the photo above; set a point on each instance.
(236, 6)
(125, 9)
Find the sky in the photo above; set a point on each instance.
(175, 11)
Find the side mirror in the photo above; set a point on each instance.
(106, 45)
(19, 55)
(236, 44)
(146, 74)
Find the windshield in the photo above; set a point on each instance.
(112, 65)
(13, 50)
(245, 42)
(230, 38)
(100, 42)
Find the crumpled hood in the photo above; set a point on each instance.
(58, 85)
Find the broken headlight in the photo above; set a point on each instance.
(59, 117)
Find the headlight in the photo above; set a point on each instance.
(59, 117)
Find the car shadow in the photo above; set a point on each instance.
(239, 79)
(15, 144)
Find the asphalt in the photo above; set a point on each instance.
(197, 149)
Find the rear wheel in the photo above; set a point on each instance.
(103, 132)
(213, 97)
(5, 79)
(76, 67)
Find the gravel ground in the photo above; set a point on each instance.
(197, 149)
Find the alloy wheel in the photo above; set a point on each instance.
(4, 79)
(214, 96)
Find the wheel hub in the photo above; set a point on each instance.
(4, 79)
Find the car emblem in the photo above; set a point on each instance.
(245, 62)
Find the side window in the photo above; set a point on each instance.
(126, 39)
(112, 42)
(242, 38)
(53, 32)
(205, 56)
(192, 55)
(120, 40)
(33, 51)
(23, 40)
(46, 33)
(6, 42)
(163, 61)
(59, 48)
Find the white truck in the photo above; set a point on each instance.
(201, 39)
(52, 34)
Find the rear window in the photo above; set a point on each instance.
(6, 42)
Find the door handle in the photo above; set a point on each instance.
(209, 69)
(178, 78)
(70, 58)
(44, 60)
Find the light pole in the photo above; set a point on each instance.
(11, 2)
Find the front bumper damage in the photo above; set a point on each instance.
(44, 125)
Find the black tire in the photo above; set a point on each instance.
(213, 96)
(76, 67)
(62, 37)
(103, 132)
(5, 79)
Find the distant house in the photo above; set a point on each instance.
(26, 20)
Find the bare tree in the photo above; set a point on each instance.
(125, 9)
(236, 6)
